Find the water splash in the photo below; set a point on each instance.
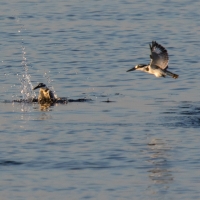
(26, 86)
(28, 94)
(25, 78)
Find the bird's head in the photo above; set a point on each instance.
(40, 85)
(137, 67)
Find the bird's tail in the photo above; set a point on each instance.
(171, 74)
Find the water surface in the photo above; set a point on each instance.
(142, 145)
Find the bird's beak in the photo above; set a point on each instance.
(36, 87)
(132, 69)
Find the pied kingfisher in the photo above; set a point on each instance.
(158, 64)
(45, 94)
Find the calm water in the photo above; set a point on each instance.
(143, 145)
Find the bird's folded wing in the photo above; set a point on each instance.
(51, 95)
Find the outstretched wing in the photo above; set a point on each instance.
(159, 55)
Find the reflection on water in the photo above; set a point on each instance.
(160, 172)
(45, 106)
(44, 116)
(26, 107)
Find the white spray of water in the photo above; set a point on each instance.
(26, 86)
(28, 94)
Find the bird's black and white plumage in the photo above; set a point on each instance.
(158, 64)
(45, 94)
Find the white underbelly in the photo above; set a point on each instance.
(157, 72)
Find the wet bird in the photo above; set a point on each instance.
(158, 64)
(45, 94)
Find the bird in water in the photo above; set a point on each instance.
(158, 64)
(45, 94)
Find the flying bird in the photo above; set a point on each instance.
(45, 94)
(158, 64)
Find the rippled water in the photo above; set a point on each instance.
(141, 144)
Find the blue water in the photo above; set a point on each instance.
(144, 144)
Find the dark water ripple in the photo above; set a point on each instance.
(10, 163)
(186, 115)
